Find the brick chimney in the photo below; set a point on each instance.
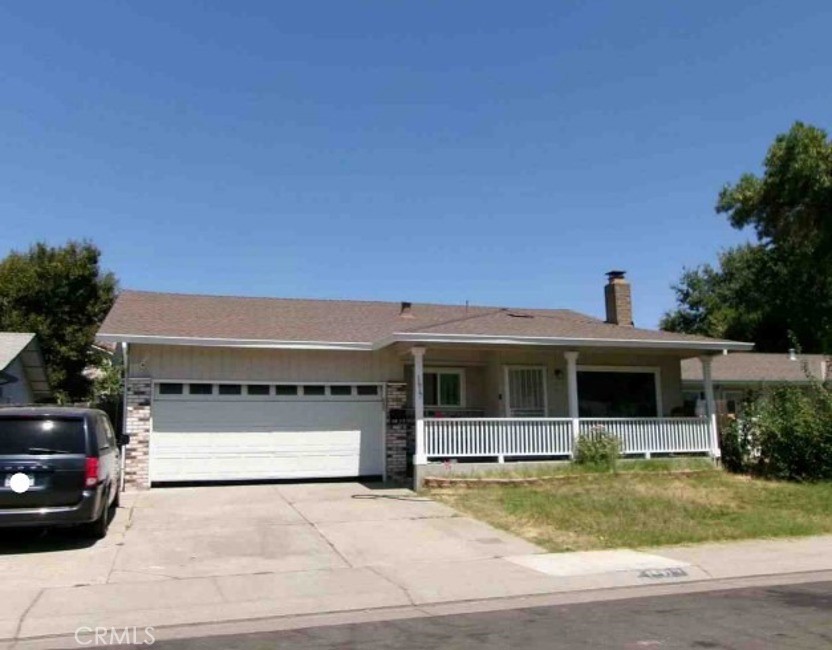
(618, 300)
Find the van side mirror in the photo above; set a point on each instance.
(123, 440)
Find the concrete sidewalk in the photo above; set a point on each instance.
(460, 563)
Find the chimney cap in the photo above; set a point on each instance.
(406, 309)
(616, 275)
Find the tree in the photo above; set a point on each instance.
(723, 301)
(782, 286)
(62, 295)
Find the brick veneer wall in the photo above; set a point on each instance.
(399, 431)
(136, 472)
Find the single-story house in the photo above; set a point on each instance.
(23, 377)
(233, 388)
(736, 375)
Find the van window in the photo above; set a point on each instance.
(20, 435)
(105, 430)
(101, 432)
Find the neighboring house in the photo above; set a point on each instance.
(736, 375)
(225, 388)
(23, 377)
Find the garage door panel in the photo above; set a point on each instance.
(222, 439)
(252, 455)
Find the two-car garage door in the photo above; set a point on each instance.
(213, 432)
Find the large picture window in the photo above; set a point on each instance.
(443, 388)
(617, 394)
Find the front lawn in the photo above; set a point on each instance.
(644, 508)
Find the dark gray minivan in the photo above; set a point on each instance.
(59, 466)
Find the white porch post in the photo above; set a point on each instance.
(710, 404)
(572, 387)
(419, 457)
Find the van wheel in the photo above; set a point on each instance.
(98, 529)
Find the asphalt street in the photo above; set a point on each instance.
(780, 618)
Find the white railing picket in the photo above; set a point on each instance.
(530, 437)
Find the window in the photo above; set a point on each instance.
(733, 402)
(257, 389)
(200, 389)
(108, 429)
(170, 389)
(314, 390)
(443, 388)
(340, 390)
(617, 394)
(231, 389)
(21, 435)
(100, 433)
(285, 389)
(366, 391)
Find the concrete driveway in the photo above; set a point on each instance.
(215, 531)
(311, 544)
(316, 552)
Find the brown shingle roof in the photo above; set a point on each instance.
(750, 367)
(145, 314)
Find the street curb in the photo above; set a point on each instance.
(294, 622)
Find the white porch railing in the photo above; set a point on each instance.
(459, 437)
(654, 435)
(534, 437)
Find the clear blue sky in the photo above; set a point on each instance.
(501, 153)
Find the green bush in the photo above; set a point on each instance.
(784, 432)
(598, 448)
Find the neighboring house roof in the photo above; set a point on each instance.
(753, 367)
(24, 346)
(139, 316)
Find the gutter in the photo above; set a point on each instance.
(715, 346)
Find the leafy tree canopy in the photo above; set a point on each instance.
(62, 295)
(781, 286)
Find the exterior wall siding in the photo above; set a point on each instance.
(241, 364)
(18, 392)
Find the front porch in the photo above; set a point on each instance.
(523, 405)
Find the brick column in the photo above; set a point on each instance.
(136, 471)
(399, 430)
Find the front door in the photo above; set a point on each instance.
(526, 394)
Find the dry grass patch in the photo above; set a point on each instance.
(648, 509)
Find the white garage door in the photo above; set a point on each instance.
(204, 432)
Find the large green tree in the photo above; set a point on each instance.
(61, 294)
(781, 287)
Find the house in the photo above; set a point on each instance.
(736, 375)
(230, 388)
(23, 377)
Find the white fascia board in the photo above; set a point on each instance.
(417, 337)
(488, 339)
(234, 343)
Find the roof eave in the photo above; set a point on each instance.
(422, 337)
(714, 346)
(233, 343)
(35, 370)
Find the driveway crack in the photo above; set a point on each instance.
(390, 581)
(26, 613)
(320, 532)
(128, 523)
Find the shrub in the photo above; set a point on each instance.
(785, 432)
(598, 448)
